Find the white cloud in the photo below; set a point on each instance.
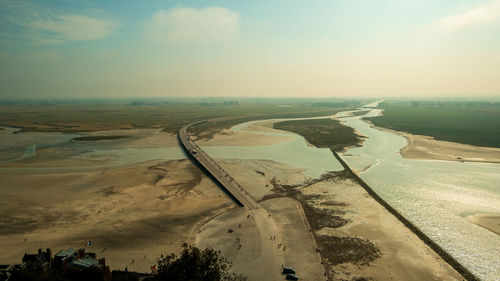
(45, 25)
(483, 14)
(184, 25)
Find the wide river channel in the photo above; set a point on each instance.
(437, 196)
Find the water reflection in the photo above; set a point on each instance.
(435, 195)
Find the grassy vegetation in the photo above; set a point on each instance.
(468, 123)
(327, 133)
(78, 116)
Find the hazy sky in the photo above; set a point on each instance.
(344, 48)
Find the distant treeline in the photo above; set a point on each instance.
(206, 101)
(443, 104)
(152, 102)
(352, 103)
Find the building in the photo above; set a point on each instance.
(39, 261)
(64, 258)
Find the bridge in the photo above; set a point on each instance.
(231, 186)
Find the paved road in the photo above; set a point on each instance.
(230, 184)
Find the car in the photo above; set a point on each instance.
(288, 270)
(291, 277)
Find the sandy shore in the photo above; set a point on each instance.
(249, 136)
(403, 256)
(488, 221)
(426, 147)
(132, 214)
(229, 138)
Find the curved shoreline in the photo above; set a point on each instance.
(429, 242)
(422, 147)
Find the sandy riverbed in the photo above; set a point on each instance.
(132, 214)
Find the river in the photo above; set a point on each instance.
(436, 196)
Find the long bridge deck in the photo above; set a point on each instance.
(239, 194)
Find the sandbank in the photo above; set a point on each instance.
(403, 256)
(132, 214)
(250, 136)
(488, 221)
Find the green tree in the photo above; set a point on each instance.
(196, 265)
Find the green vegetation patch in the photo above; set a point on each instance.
(469, 125)
(362, 112)
(326, 133)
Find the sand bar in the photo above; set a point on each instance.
(488, 221)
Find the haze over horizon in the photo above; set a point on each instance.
(119, 49)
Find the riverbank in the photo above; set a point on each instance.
(428, 148)
(473, 123)
(423, 237)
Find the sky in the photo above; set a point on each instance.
(259, 48)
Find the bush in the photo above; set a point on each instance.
(196, 265)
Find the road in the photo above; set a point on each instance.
(240, 195)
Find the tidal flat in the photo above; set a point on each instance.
(170, 201)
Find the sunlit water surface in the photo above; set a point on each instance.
(314, 161)
(435, 195)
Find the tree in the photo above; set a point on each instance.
(196, 265)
